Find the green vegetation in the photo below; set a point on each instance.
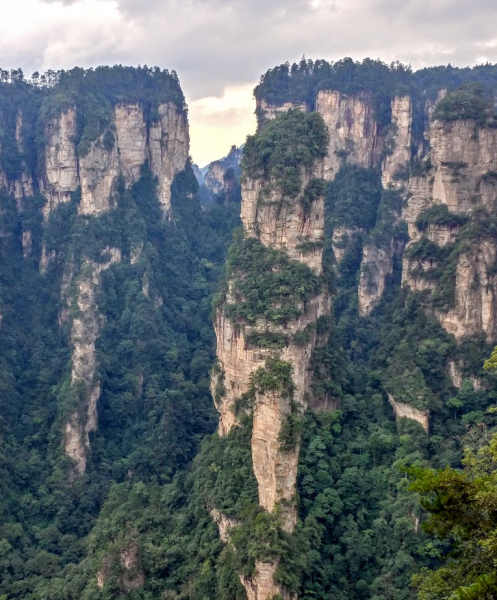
(275, 376)
(157, 473)
(443, 260)
(266, 283)
(285, 148)
(468, 102)
(353, 197)
(439, 215)
(154, 352)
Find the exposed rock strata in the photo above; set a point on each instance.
(61, 164)
(164, 143)
(354, 134)
(86, 327)
(376, 267)
(398, 158)
(267, 112)
(463, 159)
(283, 224)
(407, 411)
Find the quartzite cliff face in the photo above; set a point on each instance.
(66, 170)
(164, 143)
(282, 223)
(455, 166)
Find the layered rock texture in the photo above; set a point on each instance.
(433, 223)
(164, 143)
(86, 327)
(92, 144)
(264, 356)
(446, 214)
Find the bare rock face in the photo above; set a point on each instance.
(461, 178)
(98, 172)
(400, 138)
(376, 266)
(284, 224)
(261, 586)
(268, 112)
(131, 135)
(353, 130)
(463, 154)
(61, 164)
(86, 328)
(169, 148)
(224, 523)
(475, 308)
(214, 178)
(409, 412)
(165, 143)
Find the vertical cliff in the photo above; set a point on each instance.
(97, 140)
(267, 316)
(449, 214)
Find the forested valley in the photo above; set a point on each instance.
(281, 386)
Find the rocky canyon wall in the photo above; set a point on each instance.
(265, 356)
(84, 161)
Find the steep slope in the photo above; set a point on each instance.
(107, 269)
(353, 316)
(267, 317)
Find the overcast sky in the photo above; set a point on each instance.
(220, 47)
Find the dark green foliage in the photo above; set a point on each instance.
(275, 376)
(285, 147)
(267, 339)
(95, 92)
(353, 197)
(301, 82)
(439, 215)
(443, 260)
(314, 190)
(266, 283)
(468, 102)
(154, 355)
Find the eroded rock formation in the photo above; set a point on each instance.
(163, 142)
(86, 327)
(276, 222)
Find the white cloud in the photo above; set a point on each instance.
(218, 46)
(220, 122)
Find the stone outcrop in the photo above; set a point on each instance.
(353, 131)
(86, 327)
(98, 171)
(267, 112)
(399, 137)
(460, 176)
(376, 267)
(402, 410)
(282, 223)
(475, 309)
(61, 164)
(122, 149)
(169, 147)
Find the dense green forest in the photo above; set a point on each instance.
(156, 466)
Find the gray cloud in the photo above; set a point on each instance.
(214, 44)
